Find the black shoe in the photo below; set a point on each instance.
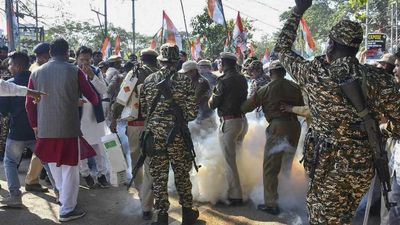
(147, 215)
(189, 216)
(162, 219)
(43, 174)
(89, 181)
(76, 214)
(271, 210)
(103, 181)
(35, 188)
(235, 201)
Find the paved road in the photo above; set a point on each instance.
(116, 206)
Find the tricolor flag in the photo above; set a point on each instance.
(196, 48)
(171, 34)
(240, 35)
(215, 11)
(265, 59)
(117, 48)
(309, 42)
(153, 43)
(106, 48)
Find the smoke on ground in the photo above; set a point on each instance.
(210, 184)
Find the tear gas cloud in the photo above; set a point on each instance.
(210, 183)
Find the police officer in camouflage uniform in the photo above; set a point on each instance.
(143, 180)
(258, 78)
(344, 167)
(283, 130)
(160, 122)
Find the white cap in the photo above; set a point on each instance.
(188, 66)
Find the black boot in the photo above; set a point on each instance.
(162, 219)
(189, 216)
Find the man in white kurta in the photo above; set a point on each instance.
(93, 125)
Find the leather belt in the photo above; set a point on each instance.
(136, 123)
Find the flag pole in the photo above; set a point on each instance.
(226, 25)
(162, 29)
(187, 33)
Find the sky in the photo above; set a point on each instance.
(263, 13)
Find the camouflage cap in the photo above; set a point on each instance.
(149, 51)
(255, 65)
(275, 65)
(348, 33)
(168, 53)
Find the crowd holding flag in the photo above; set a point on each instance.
(170, 33)
(215, 11)
(309, 43)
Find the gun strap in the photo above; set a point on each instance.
(363, 113)
(156, 100)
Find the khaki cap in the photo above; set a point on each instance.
(114, 58)
(188, 66)
(204, 62)
(228, 55)
(387, 58)
(149, 51)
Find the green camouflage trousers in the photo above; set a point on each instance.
(342, 177)
(177, 156)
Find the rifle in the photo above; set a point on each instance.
(135, 169)
(352, 90)
(180, 126)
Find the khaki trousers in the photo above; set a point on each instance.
(35, 168)
(231, 135)
(143, 180)
(280, 147)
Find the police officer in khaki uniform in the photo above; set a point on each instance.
(228, 95)
(283, 131)
(143, 180)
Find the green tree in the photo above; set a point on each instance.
(215, 34)
(84, 33)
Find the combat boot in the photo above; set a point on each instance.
(162, 219)
(189, 216)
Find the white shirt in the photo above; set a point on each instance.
(91, 130)
(11, 89)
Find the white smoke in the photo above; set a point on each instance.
(210, 183)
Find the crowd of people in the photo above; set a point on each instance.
(72, 102)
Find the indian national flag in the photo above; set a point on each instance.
(215, 10)
(106, 48)
(171, 34)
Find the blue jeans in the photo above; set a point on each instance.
(121, 130)
(12, 157)
(393, 216)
